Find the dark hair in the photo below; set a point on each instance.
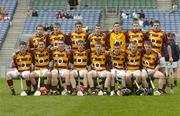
(57, 24)
(22, 43)
(170, 35)
(39, 25)
(156, 21)
(78, 23)
(116, 23)
(98, 25)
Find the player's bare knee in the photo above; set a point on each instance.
(66, 74)
(8, 76)
(48, 74)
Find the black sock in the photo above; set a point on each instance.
(112, 88)
(28, 84)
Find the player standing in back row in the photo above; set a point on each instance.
(158, 39)
(136, 35)
(56, 35)
(76, 35)
(97, 35)
(116, 36)
(39, 36)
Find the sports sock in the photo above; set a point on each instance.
(112, 88)
(54, 88)
(10, 84)
(34, 87)
(28, 84)
(48, 86)
(68, 87)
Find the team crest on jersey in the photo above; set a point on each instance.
(41, 60)
(23, 64)
(136, 41)
(60, 60)
(147, 63)
(79, 60)
(115, 63)
(132, 60)
(97, 65)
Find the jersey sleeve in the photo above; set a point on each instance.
(30, 43)
(13, 62)
(68, 39)
(87, 42)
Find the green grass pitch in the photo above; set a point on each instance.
(87, 105)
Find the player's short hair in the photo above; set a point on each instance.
(98, 25)
(156, 21)
(40, 25)
(57, 24)
(116, 23)
(134, 22)
(133, 43)
(59, 42)
(41, 41)
(148, 42)
(170, 35)
(79, 23)
(22, 43)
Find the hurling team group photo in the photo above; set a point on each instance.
(114, 63)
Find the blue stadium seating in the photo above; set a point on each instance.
(90, 18)
(10, 5)
(170, 22)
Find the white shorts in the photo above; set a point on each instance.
(162, 62)
(81, 73)
(61, 72)
(118, 73)
(156, 74)
(145, 72)
(136, 73)
(173, 65)
(15, 73)
(41, 73)
(101, 74)
(178, 63)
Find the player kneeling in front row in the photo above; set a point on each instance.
(22, 65)
(41, 58)
(80, 61)
(99, 62)
(60, 69)
(133, 73)
(150, 62)
(117, 65)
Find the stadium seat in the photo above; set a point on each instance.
(10, 5)
(169, 22)
(90, 18)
